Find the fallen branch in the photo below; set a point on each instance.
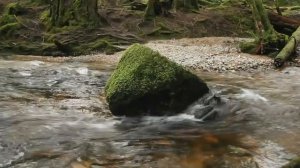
(288, 50)
(283, 24)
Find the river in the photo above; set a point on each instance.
(54, 115)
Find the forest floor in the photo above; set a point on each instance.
(124, 27)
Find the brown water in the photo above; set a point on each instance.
(53, 115)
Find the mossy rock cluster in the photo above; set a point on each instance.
(146, 83)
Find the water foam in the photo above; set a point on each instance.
(251, 95)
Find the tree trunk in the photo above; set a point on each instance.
(75, 13)
(158, 7)
(283, 24)
(278, 7)
(289, 49)
(150, 10)
(268, 39)
(153, 9)
(261, 16)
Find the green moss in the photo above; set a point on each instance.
(9, 29)
(100, 45)
(5, 19)
(272, 42)
(107, 47)
(293, 164)
(45, 17)
(8, 21)
(248, 47)
(78, 13)
(13, 9)
(146, 82)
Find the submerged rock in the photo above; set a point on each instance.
(147, 83)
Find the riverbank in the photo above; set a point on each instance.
(212, 54)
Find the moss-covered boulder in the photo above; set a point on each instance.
(145, 83)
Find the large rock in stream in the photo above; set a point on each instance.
(146, 83)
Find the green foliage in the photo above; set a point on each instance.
(144, 76)
(248, 47)
(45, 18)
(8, 21)
(5, 19)
(9, 29)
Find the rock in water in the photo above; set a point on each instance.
(146, 83)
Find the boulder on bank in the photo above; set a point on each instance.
(145, 83)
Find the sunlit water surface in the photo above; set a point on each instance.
(54, 115)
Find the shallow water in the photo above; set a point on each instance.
(54, 115)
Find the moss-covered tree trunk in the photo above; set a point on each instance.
(158, 7)
(288, 50)
(268, 39)
(153, 9)
(74, 13)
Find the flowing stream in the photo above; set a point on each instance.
(54, 115)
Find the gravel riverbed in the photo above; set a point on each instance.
(211, 54)
(220, 54)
